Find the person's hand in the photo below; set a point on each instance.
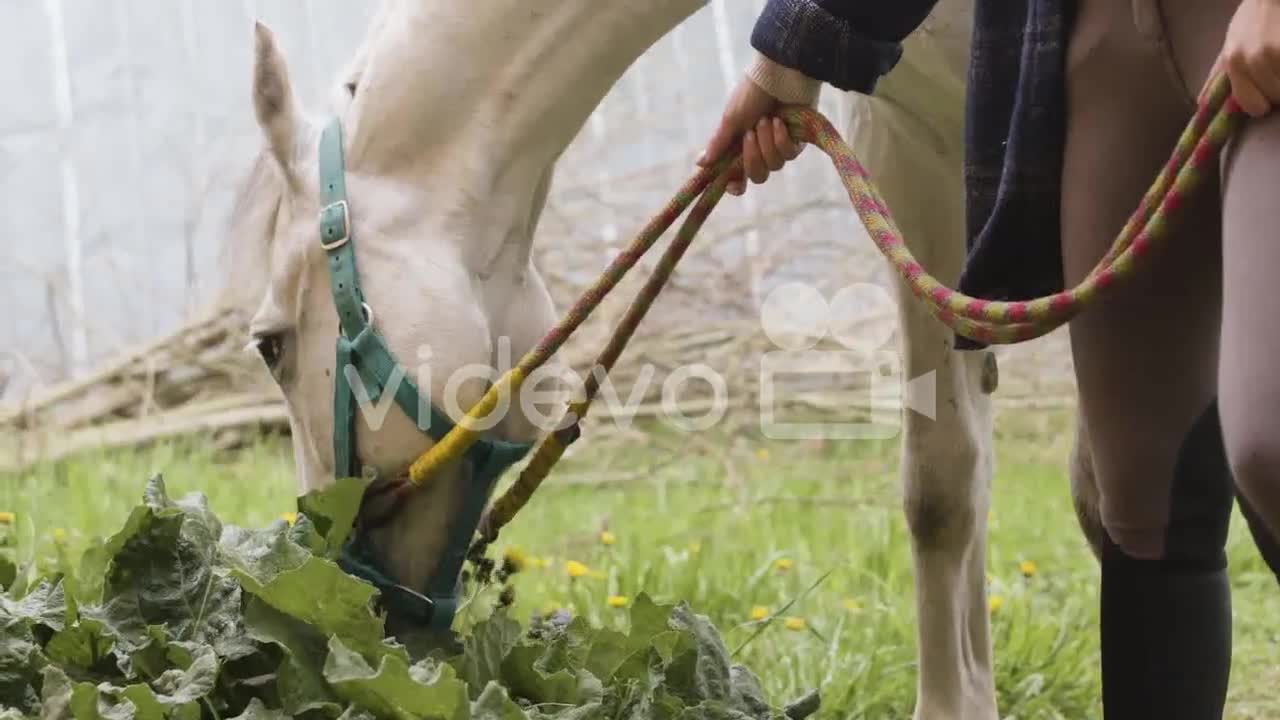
(1251, 56)
(766, 145)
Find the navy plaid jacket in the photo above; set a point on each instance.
(1014, 117)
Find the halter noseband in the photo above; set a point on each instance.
(363, 356)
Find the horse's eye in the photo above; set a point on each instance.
(270, 348)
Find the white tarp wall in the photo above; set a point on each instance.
(117, 150)
(129, 121)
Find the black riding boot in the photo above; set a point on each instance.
(1166, 624)
(1166, 640)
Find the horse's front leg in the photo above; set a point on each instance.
(909, 137)
(946, 470)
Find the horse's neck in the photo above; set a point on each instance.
(523, 75)
(475, 101)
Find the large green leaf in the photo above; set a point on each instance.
(699, 669)
(83, 646)
(21, 661)
(175, 695)
(256, 710)
(45, 605)
(56, 694)
(485, 650)
(551, 668)
(164, 566)
(310, 589)
(26, 624)
(495, 704)
(185, 688)
(613, 651)
(428, 690)
(300, 683)
(332, 511)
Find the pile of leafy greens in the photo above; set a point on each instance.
(179, 616)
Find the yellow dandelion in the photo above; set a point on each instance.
(762, 455)
(289, 517)
(853, 605)
(576, 569)
(1027, 568)
(759, 612)
(695, 547)
(783, 564)
(995, 603)
(59, 535)
(541, 563)
(794, 623)
(516, 558)
(617, 601)
(607, 538)
(7, 518)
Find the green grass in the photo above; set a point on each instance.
(708, 523)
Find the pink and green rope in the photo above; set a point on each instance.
(1007, 322)
(989, 322)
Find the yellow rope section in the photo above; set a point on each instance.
(468, 430)
(549, 452)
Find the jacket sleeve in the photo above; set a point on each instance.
(848, 44)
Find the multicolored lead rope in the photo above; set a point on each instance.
(989, 322)
(1000, 322)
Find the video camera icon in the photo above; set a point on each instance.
(797, 318)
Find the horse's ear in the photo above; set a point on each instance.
(273, 100)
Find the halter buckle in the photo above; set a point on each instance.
(329, 218)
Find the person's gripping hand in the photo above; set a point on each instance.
(1251, 56)
(749, 119)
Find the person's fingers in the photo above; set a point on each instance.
(752, 161)
(768, 148)
(1246, 93)
(789, 148)
(737, 184)
(1251, 99)
(723, 138)
(1265, 74)
(747, 109)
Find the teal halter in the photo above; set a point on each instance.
(361, 349)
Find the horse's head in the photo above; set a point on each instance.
(416, 284)
(453, 117)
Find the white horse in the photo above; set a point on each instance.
(454, 116)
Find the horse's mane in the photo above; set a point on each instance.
(245, 263)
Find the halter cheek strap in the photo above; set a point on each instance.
(362, 356)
